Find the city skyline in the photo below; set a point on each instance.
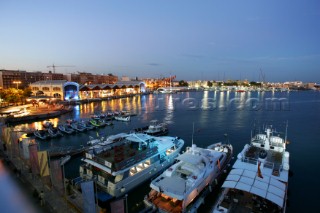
(192, 40)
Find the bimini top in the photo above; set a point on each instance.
(266, 187)
(190, 158)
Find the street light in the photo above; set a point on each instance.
(17, 82)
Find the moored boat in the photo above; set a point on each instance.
(108, 140)
(47, 124)
(129, 161)
(122, 118)
(88, 125)
(183, 186)
(98, 123)
(78, 127)
(65, 128)
(156, 128)
(41, 134)
(54, 132)
(258, 180)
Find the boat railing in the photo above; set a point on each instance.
(250, 160)
(136, 158)
(101, 161)
(120, 163)
(276, 144)
(254, 161)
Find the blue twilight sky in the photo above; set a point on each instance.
(194, 40)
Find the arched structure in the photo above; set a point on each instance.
(64, 90)
(71, 91)
(108, 90)
(57, 89)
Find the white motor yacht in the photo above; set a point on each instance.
(128, 161)
(182, 185)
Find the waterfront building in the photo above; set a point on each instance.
(200, 84)
(84, 78)
(59, 89)
(108, 90)
(65, 90)
(19, 79)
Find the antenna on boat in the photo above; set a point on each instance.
(192, 133)
(285, 137)
(227, 138)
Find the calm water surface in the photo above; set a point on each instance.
(214, 114)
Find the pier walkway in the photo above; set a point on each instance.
(53, 201)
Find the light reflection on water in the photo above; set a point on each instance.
(227, 112)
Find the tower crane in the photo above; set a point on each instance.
(54, 67)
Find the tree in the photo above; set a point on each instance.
(12, 95)
(257, 84)
(26, 93)
(209, 84)
(182, 83)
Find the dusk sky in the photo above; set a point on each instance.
(194, 40)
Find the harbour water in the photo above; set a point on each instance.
(215, 114)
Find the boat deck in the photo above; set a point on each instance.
(124, 155)
(165, 203)
(272, 156)
(242, 201)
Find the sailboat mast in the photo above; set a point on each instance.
(285, 137)
(192, 133)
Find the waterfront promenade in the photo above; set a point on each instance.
(34, 113)
(33, 185)
(19, 172)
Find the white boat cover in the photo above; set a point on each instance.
(174, 186)
(266, 187)
(190, 158)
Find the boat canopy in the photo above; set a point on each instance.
(266, 187)
(190, 158)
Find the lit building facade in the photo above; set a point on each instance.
(109, 90)
(22, 79)
(84, 78)
(65, 90)
(59, 89)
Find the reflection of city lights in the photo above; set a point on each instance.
(205, 100)
(221, 100)
(169, 114)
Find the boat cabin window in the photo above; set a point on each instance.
(169, 151)
(147, 163)
(140, 167)
(118, 178)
